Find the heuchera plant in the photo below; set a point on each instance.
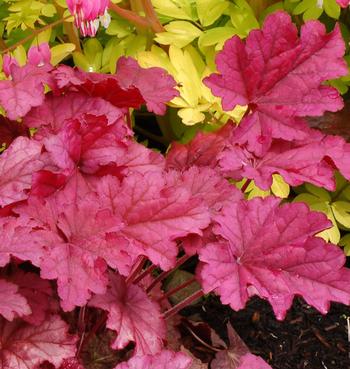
(87, 213)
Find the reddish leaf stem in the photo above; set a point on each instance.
(152, 16)
(3, 45)
(130, 15)
(100, 322)
(175, 309)
(137, 269)
(145, 273)
(163, 275)
(246, 184)
(35, 33)
(178, 288)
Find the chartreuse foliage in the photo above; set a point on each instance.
(336, 205)
(92, 221)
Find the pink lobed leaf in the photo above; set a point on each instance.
(202, 151)
(38, 294)
(121, 89)
(17, 165)
(296, 162)
(18, 239)
(270, 251)
(156, 86)
(58, 109)
(280, 77)
(25, 347)
(164, 360)
(25, 90)
(154, 215)
(132, 315)
(77, 246)
(12, 303)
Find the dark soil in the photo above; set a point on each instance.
(304, 340)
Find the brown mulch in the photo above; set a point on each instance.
(304, 340)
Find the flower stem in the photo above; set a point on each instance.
(35, 33)
(130, 15)
(177, 289)
(163, 275)
(175, 309)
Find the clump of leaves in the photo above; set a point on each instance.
(88, 214)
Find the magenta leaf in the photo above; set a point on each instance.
(154, 84)
(77, 246)
(202, 151)
(206, 184)
(17, 165)
(38, 294)
(12, 303)
(280, 77)
(18, 239)
(154, 215)
(132, 315)
(163, 360)
(153, 87)
(25, 347)
(237, 355)
(10, 130)
(297, 162)
(270, 251)
(25, 90)
(57, 109)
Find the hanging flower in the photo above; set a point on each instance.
(88, 14)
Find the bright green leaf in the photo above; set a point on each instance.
(59, 52)
(279, 187)
(345, 242)
(178, 33)
(210, 10)
(341, 211)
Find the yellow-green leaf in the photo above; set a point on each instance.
(215, 36)
(341, 211)
(59, 52)
(331, 8)
(178, 33)
(210, 10)
(180, 9)
(345, 242)
(279, 187)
